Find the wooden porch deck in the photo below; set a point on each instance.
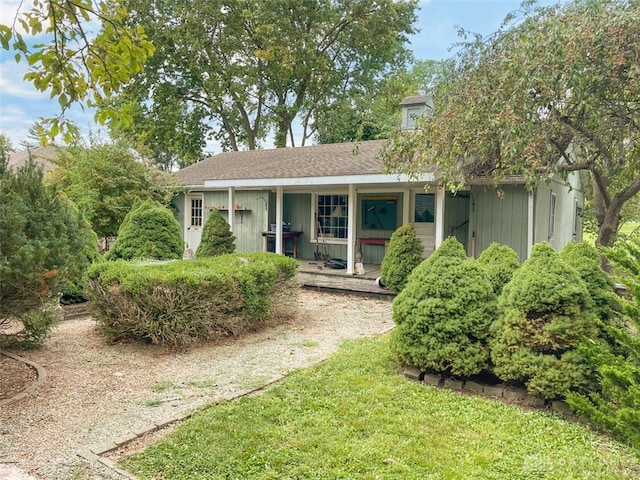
(314, 274)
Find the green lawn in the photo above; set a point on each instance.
(354, 417)
(625, 229)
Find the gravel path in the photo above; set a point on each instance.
(96, 392)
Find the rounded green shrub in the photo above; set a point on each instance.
(499, 262)
(546, 314)
(403, 255)
(216, 237)
(584, 258)
(444, 313)
(148, 231)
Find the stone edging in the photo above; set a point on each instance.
(41, 372)
(95, 454)
(518, 396)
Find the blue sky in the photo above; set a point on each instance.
(21, 105)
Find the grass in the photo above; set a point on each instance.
(625, 229)
(354, 417)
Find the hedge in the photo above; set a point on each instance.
(178, 302)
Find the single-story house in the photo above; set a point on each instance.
(336, 200)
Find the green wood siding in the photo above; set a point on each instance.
(565, 215)
(501, 219)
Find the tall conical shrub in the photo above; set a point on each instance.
(444, 313)
(546, 314)
(216, 237)
(403, 255)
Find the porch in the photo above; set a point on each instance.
(314, 274)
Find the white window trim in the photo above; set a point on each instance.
(315, 238)
(553, 205)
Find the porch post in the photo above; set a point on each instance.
(279, 206)
(530, 222)
(230, 213)
(440, 197)
(351, 229)
(406, 204)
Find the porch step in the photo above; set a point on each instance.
(342, 282)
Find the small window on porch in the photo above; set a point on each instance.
(332, 216)
(425, 208)
(196, 212)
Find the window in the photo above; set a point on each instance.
(196, 212)
(331, 216)
(552, 215)
(425, 208)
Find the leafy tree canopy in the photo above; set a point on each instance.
(237, 71)
(105, 180)
(375, 114)
(554, 90)
(67, 58)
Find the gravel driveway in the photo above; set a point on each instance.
(96, 392)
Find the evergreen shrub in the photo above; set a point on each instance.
(403, 255)
(615, 403)
(584, 258)
(499, 262)
(149, 231)
(179, 302)
(40, 236)
(444, 313)
(546, 313)
(74, 285)
(216, 237)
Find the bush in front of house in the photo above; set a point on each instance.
(149, 231)
(179, 302)
(546, 314)
(403, 255)
(444, 313)
(216, 237)
(615, 403)
(499, 262)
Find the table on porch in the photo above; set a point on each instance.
(370, 241)
(285, 235)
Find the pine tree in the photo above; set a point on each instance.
(216, 237)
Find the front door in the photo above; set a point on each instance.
(423, 211)
(194, 229)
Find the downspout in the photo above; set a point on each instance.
(279, 208)
(440, 197)
(351, 229)
(530, 222)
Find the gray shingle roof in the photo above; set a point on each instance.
(338, 159)
(41, 155)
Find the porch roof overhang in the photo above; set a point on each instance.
(324, 181)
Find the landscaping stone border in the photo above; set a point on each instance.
(507, 393)
(41, 377)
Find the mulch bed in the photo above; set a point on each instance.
(15, 376)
